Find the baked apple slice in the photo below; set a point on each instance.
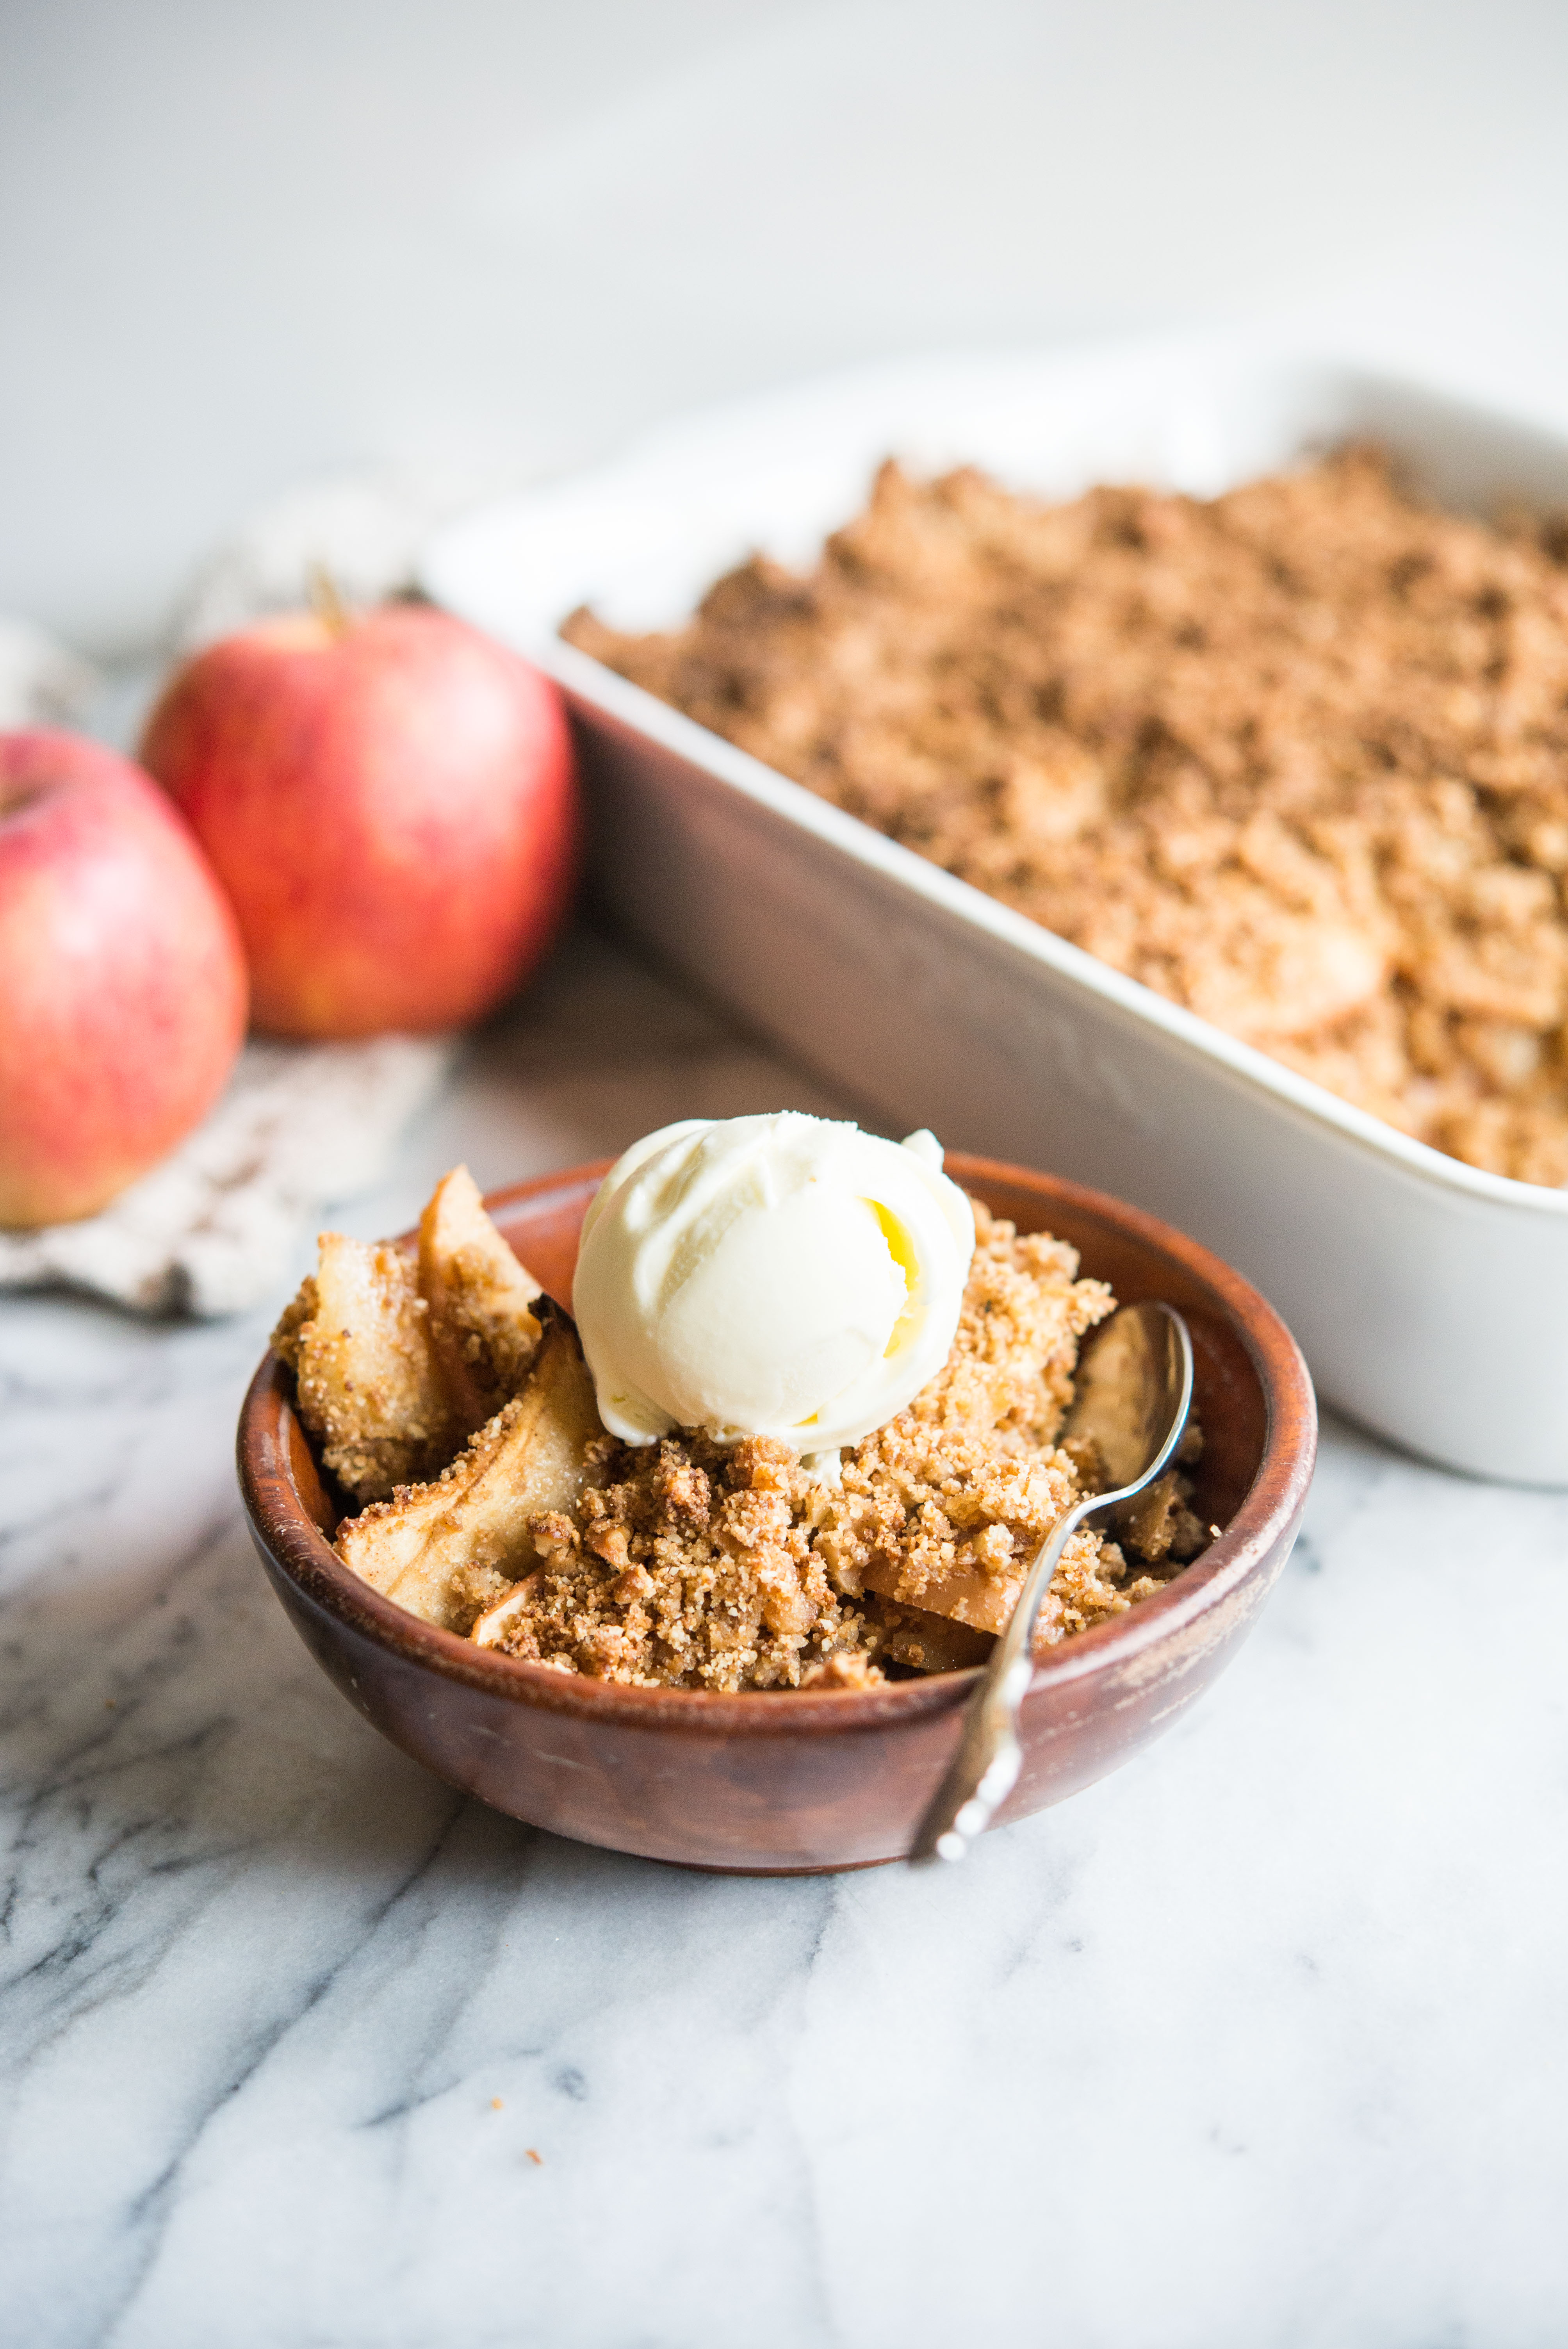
(448, 1550)
(356, 1339)
(398, 1362)
(483, 1330)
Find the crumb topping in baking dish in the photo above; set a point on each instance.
(1296, 757)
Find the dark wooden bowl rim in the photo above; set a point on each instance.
(1270, 1507)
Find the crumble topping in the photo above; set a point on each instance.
(691, 1565)
(1296, 757)
(687, 1563)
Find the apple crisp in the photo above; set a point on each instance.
(396, 1362)
(1296, 757)
(690, 1563)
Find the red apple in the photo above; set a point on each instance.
(122, 984)
(391, 802)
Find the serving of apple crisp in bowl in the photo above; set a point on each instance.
(701, 1568)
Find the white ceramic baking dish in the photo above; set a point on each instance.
(1431, 1299)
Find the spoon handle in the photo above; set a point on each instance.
(984, 1769)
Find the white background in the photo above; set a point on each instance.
(243, 244)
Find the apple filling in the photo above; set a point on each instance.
(685, 1563)
(396, 1363)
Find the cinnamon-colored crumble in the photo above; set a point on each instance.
(685, 1564)
(1296, 757)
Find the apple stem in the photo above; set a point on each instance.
(327, 601)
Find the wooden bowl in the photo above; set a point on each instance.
(781, 1782)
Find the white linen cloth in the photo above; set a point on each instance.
(212, 1229)
(41, 682)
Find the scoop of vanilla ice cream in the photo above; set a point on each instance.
(783, 1275)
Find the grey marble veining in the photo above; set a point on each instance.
(1259, 2041)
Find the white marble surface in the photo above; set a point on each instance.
(1259, 2041)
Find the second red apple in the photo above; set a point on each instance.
(390, 803)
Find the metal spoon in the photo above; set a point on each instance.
(1133, 1391)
